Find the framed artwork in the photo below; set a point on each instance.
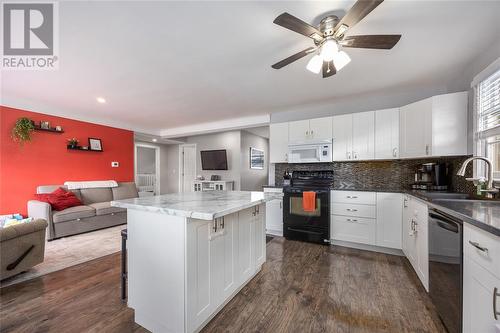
(256, 158)
(95, 144)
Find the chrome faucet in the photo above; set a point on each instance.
(490, 189)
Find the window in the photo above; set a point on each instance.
(487, 122)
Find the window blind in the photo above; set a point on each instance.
(488, 96)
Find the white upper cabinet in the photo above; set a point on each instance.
(321, 128)
(311, 129)
(416, 129)
(435, 126)
(363, 135)
(449, 124)
(387, 134)
(298, 131)
(342, 137)
(278, 143)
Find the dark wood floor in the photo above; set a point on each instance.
(302, 288)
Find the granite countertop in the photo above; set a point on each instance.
(198, 205)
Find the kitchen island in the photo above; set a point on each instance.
(190, 253)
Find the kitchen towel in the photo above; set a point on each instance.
(309, 201)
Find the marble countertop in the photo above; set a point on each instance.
(198, 205)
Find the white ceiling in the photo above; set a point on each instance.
(162, 65)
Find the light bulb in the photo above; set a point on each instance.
(340, 60)
(329, 49)
(314, 65)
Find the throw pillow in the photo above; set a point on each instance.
(60, 199)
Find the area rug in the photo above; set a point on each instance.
(69, 251)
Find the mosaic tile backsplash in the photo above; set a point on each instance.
(395, 175)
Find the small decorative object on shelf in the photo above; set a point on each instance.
(95, 144)
(73, 143)
(58, 128)
(45, 125)
(22, 130)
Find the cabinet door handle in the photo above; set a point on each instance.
(479, 247)
(222, 224)
(286, 156)
(355, 155)
(394, 152)
(307, 133)
(348, 155)
(312, 132)
(427, 149)
(496, 314)
(351, 197)
(281, 205)
(215, 225)
(352, 220)
(351, 210)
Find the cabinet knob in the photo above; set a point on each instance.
(394, 152)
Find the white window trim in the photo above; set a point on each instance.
(480, 167)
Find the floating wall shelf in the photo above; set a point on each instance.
(82, 149)
(53, 130)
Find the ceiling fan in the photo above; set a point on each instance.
(330, 36)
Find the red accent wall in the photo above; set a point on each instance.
(45, 160)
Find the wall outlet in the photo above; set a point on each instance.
(115, 164)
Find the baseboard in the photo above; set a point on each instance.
(367, 247)
(274, 232)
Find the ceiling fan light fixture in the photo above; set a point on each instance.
(340, 60)
(329, 49)
(314, 65)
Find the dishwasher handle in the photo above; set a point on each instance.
(444, 221)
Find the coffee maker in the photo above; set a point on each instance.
(431, 177)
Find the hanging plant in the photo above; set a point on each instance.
(22, 130)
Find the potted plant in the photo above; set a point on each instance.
(73, 143)
(22, 130)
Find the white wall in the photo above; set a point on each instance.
(163, 165)
(253, 179)
(231, 141)
(146, 160)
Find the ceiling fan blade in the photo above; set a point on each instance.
(292, 23)
(371, 41)
(293, 58)
(357, 12)
(328, 69)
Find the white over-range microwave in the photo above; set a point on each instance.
(310, 152)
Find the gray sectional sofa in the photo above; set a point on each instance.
(95, 213)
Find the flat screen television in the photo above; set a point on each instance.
(213, 159)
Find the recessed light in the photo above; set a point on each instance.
(101, 100)
(154, 140)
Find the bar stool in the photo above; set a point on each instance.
(124, 264)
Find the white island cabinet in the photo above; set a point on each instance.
(190, 253)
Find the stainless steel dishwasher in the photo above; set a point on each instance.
(446, 267)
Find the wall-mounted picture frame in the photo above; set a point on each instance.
(256, 158)
(95, 144)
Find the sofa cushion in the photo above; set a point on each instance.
(73, 213)
(125, 191)
(105, 208)
(93, 195)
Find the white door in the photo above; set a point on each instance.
(200, 303)
(260, 236)
(188, 167)
(342, 137)
(416, 129)
(274, 217)
(479, 300)
(363, 135)
(298, 131)
(422, 244)
(245, 244)
(321, 128)
(278, 143)
(387, 134)
(389, 216)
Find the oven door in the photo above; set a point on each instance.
(304, 225)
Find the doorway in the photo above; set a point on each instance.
(147, 169)
(187, 167)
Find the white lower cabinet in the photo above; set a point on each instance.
(415, 242)
(274, 213)
(481, 281)
(366, 218)
(221, 256)
(389, 214)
